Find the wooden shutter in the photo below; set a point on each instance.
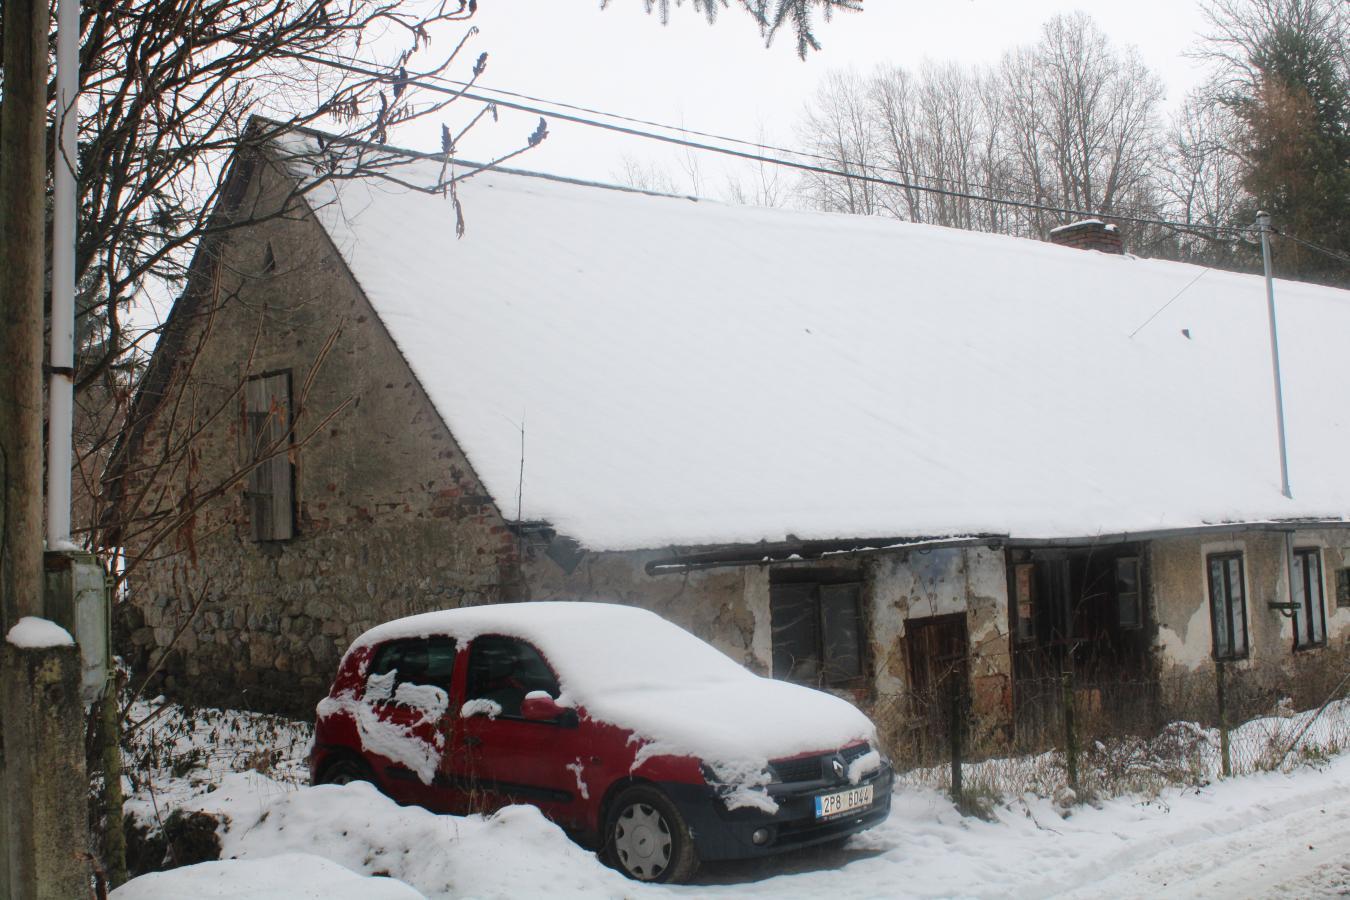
(271, 492)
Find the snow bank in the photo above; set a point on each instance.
(290, 876)
(515, 853)
(33, 633)
(633, 669)
(956, 382)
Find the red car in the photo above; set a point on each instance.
(630, 733)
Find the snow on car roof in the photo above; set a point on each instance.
(692, 373)
(633, 669)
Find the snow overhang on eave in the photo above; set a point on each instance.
(767, 554)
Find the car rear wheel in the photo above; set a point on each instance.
(344, 771)
(647, 839)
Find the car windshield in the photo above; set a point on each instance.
(639, 652)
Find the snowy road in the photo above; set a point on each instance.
(1296, 847)
(1269, 835)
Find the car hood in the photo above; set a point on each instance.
(741, 723)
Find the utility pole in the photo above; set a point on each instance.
(23, 118)
(1263, 225)
(43, 809)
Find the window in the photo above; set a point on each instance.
(1129, 596)
(430, 661)
(505, 669)
(1228, 606)
(817, 632)
(1342, 588)
(270, 494)
(1024, 605)
(1310, 618)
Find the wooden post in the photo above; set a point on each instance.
(1070, 731)
(954, 723)
(1225, 754)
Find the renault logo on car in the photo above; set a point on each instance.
(838, 765)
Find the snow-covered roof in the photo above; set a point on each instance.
(688, 372)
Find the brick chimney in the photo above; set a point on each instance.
(1089, 234)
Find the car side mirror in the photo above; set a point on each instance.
(540, 707)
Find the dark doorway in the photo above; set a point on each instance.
(1082, 610)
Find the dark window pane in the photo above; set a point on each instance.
(1218, 604)
(1128, 594)
(1342, 588)
(1025, 587)
(430, 661)
(504, 669)
(793, 617)
(842, 645)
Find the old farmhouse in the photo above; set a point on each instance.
(869, 455)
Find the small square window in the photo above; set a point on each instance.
(817, 632)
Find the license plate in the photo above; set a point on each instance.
(830, 805)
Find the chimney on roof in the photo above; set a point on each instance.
(1089, 234)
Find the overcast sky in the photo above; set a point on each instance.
(721, 78)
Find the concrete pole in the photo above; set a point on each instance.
(1263, 225)
(61, 386)
(23, 164)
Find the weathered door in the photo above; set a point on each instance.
(938, 675)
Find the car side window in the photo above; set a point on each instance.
(504, 669)
(428, 661)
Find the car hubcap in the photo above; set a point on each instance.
(642, 840)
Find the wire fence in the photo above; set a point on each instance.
(1074, 737)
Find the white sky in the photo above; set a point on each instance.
(721, 79)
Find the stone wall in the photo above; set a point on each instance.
(390, 518)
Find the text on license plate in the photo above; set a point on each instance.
(830, 805)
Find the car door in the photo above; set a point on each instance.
(499, 756)
(405, 724)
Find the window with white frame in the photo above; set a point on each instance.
(1310, 617)
(1228, 605)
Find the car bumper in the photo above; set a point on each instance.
(720, 833)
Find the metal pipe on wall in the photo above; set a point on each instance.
(61, 383)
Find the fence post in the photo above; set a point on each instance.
(954, 734)
(1225, 754)
(1070, 731)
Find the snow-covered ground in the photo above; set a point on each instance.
(1283, 833)
(1274, 834)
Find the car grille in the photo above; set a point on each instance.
(813, 768)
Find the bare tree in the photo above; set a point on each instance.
(839, 127)
(1069, 122)
(1082, 119)
(1202, 184)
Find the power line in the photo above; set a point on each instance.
(753, 157)
(774, 148)
(1334, 254)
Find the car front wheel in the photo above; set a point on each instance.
(647, 839)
